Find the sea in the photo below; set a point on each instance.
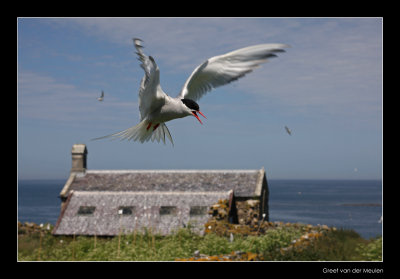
(349, 204)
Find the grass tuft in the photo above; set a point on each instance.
(285, 242)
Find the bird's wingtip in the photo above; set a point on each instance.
(137, 41)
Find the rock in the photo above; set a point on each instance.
(29, 224)
(222, 213)
(253, 203)
(197, 254)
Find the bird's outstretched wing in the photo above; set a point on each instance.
(101, 98)
(223, 69)
(151, 95)
(288, 130)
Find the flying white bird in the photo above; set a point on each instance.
(101, 98)
(288, 130)
(156, 107)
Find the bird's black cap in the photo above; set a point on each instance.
(191, 104)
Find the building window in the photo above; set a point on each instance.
(168, 210)
(86, 210)
(126, 210)
(198, 211)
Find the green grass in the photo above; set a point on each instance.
(146, 246)
(340, 245)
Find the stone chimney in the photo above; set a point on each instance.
(79, 153)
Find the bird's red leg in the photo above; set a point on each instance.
(148, 126)
(156, 126)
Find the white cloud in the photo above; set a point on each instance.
(180, 42)
(331, 72)
(42, 97)
(327, 52)
(334, 64)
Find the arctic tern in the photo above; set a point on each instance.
(156, 107)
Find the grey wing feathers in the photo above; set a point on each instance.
(147, 64)
(223, 69)
(149, 95)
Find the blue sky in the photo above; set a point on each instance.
(327, 88)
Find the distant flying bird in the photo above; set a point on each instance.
(288, 130)
(156, 107)
(101, 98)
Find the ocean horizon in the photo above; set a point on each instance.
(348, 204)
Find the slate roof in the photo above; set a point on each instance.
(146, 211)
(244, 183)
(92, 198)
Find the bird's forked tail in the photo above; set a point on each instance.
(144, 131)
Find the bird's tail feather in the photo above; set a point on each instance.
(144, 131)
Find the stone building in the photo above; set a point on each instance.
(109, 202)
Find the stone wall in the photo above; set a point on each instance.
(248, 212)
(220, 224)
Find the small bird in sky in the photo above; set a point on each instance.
(156, 107)
(288, 130)
(101, 98)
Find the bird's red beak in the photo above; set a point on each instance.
(195, 115)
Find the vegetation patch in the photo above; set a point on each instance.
(222, 241)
